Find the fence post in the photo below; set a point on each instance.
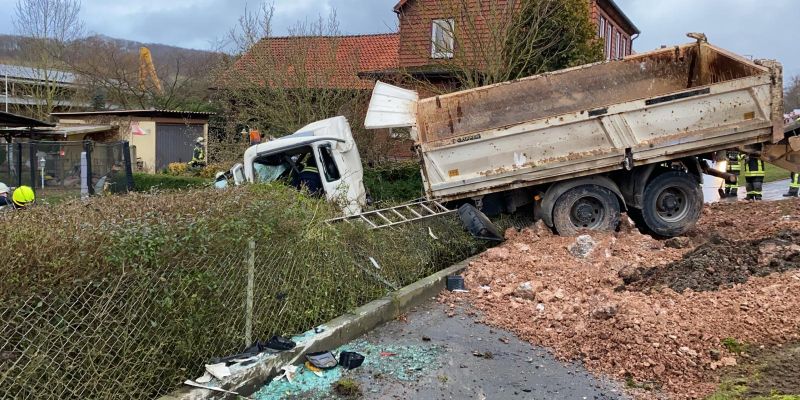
(84, 176)
(19, 164)
(251, 276)
(126, 156)
(87, 147)
(34, 164)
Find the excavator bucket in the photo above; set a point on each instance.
(785, 153)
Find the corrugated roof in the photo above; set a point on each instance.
(36, 74)
(137, 113)
(9, 120)
(329, 61)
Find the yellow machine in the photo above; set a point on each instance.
(147, 71)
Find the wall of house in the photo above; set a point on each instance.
(614, 23)
(416, 21)
(416, 25)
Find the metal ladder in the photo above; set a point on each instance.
(397, 215)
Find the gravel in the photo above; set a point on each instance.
(617, 312)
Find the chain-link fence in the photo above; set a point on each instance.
(147, 314)
(54, 168)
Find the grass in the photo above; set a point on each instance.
(347, 388)
(734, 346)
(774, 173)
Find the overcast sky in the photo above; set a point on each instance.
(760, 28)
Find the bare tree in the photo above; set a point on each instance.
(49, 27)
(279, 84)
(111, 70)
(791, 98)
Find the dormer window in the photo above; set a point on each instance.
(442, 38)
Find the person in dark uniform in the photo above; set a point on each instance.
(309, 178)
(794, 185)
(754, 175)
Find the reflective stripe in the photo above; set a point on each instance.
(310, 169)
(754, 168)
(795, 182)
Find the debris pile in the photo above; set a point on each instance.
(653, 313)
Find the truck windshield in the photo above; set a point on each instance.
(268, 173)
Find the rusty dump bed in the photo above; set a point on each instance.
(649, 108)
(583, 89)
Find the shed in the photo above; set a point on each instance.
(157, 137)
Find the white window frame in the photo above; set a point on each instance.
(449, 37)
(602, 26)
(609, 41)
(625, 51)
(618, 38)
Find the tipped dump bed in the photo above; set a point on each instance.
(583, 89)
(678, 102)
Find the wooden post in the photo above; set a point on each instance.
(251, 276)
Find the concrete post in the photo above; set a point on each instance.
(251, 276)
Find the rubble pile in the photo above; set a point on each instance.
(650, 312)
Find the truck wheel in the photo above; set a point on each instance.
(672, 204)
(587, 207)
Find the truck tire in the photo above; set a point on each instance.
(672, 204)
(587, 207)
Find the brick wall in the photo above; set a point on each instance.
(417, 16)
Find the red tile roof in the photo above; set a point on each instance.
(324, 61)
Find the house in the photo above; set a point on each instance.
(427, 29)
(157, 137)
(426, 36)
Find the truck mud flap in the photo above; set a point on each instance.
(478, 224)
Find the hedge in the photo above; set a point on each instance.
(146, 182)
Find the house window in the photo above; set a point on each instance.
(602, 27)
(609, 29)
(625, 50)
(442, 38)
(618, 42)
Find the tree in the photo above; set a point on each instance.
(791, 97)
(502, 40)
(48, 27)
(280, 84)
(110, 68)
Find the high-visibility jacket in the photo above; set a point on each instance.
(795, 182)
(199, 155)
(754, 168)
(735, 162)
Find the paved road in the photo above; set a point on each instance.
(772, 191)
(513, 370)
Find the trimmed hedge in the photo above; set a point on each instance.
(147, 182)
(144, 289)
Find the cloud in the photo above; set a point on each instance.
(756, 28)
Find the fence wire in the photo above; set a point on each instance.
(143, 332)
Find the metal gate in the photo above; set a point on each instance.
(174, 143)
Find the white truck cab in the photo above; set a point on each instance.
(333, 147)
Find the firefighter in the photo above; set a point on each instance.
(199, 153)
(754, 175)
(23, 197)
(734, 168)
(794, 185)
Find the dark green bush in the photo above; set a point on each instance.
(396, 182)
(147, 182)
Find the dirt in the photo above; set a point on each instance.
(650, 313)
(722, 263)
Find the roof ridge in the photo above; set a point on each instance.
(331, 36)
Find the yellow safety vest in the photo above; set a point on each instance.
(754, 168)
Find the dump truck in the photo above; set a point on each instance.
(579, 146)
